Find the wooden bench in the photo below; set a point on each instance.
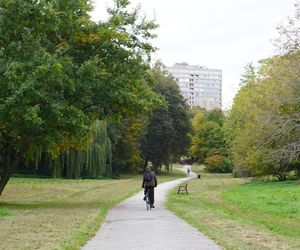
(182, 189)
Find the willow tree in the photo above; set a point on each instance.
(92, 161)
(97, 159)
(127, 151)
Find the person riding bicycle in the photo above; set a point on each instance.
(149, 183)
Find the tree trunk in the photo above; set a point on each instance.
(9, 167)
(146, 163)
(298, 171)
(156, 165)
(281, 176)
(167, 168)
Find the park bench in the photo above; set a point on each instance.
(183, 188)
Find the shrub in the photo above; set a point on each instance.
(218, 164)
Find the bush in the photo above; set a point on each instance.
(218, 164)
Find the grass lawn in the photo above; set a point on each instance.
(239, 214)
(60, 214)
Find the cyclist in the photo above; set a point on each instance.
(149, 183)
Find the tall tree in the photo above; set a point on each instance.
(242, 126)
(250, 75)
(167, 133)
(127, 151)
(92, 160)
(208, 142)
(282, 144)
(281, 124)
(59, 71)
(263, 126)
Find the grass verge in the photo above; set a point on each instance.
(4, 212)
(239, 214)
(60, 214)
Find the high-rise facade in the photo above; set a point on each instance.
(200, 86)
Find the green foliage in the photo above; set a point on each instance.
(262, 129)
(60, 72)
(167, 137)
(250, 75)
(241, 129)
(99, 155)
(218, 164)
(208, 142)
(93, 160)
(127, 151)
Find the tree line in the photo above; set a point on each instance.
(262, 128)
(259, 135)
(79, 98)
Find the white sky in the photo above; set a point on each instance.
(223, 34)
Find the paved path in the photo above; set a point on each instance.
(129, 226)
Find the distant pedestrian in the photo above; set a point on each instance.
(149, 183)
(188, 171)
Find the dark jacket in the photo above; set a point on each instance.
(152, 182)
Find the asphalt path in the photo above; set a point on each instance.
(129, 226)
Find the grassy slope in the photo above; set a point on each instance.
(242, 216)
(60, 214)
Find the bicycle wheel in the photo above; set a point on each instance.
(148, 203)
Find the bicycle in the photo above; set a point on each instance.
(147, 200)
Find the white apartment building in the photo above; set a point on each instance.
(200, 86)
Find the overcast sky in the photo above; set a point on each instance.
(222, 34)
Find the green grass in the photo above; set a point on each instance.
(239, 214)
(60, 214)
(5, 212)
(276, 205)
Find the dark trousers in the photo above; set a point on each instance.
(151, 194)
